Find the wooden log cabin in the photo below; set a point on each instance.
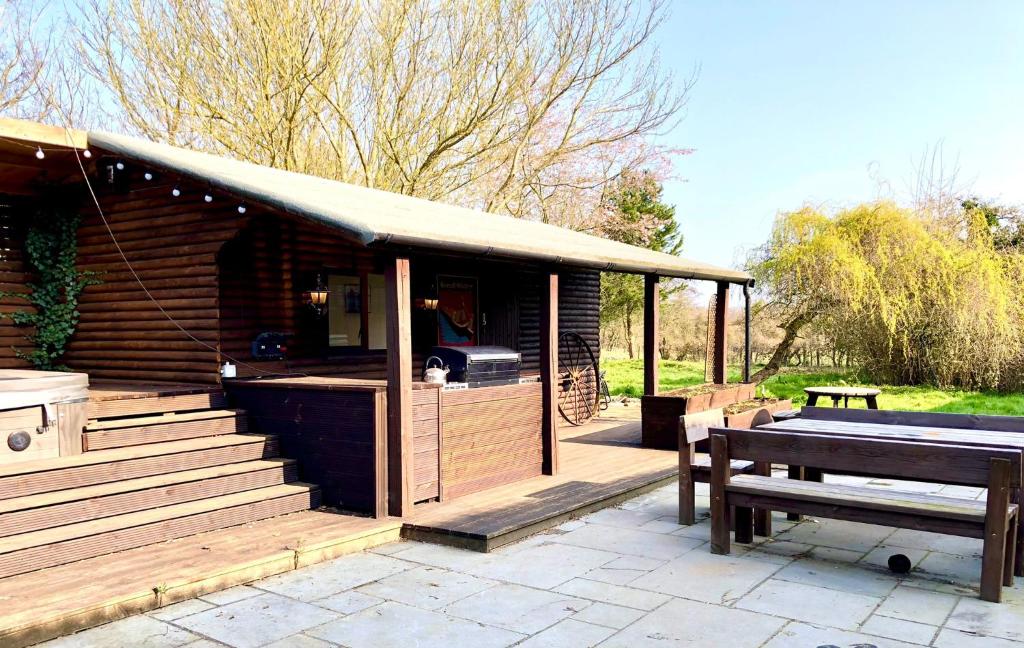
(324, 300)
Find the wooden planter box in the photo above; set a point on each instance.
(746, 417)
(660, 414)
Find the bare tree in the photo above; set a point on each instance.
(22, 60)
(517, 106)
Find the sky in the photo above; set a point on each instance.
(833, 103)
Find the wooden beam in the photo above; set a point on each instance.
(399, 373)
(720, 366)
(549, 371)
(42, 134)
(652, 300)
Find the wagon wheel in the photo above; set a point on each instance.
(578, 379)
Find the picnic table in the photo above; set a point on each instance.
(919, 433)
(843, 394)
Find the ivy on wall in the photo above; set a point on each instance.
(51, 248)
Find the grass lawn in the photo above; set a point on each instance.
(626, 377)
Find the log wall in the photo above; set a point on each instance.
(490, 436)
(13, 276)
(172, 243)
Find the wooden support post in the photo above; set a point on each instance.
(993, 552)
(720, 510)
(720, 366)
(652, 300)
(549, 371)
(399, 374)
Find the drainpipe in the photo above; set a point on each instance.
(746, 332)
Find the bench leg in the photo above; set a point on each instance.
(812, 400)
(744, 521)
(720, 509)
(763, 517)
(993, 554)
(1011, 555)
(872, 402)
(795, 472)
(1018, 561)
(687, 505)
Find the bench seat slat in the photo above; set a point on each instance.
(939, 506)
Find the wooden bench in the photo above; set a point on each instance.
(922, 419)
(994, 520)
(696, 468)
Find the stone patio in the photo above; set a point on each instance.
(625, 577)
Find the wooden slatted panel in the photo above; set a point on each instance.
(13, 276)
(90, 503)
(490, 436)
(160, 525)
(426, 444)
(174, 428)
(129, 463)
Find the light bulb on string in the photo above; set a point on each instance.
(87, 154)
(208, 198)
(147, 175)
(175, 192)
(241, 209)
(39, 153)
(120, 165)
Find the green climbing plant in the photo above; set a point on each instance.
(51, 248)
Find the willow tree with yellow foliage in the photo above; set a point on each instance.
(522, 107)
(913, 299)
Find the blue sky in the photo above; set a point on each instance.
(801, 102)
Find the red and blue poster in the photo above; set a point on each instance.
(456, 311)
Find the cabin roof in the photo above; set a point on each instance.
(372, 216)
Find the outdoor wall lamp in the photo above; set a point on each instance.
(426, 303)
(317, 297)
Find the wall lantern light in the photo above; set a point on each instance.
(426, 303)
(317, 297)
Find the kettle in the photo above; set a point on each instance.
(437, 375)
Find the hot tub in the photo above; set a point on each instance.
(41, 414)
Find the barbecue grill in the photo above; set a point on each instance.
(480, 366)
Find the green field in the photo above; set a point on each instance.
(625, 377)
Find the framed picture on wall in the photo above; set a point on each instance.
(457, 311)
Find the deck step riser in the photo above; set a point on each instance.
(156, 405)
(45, 517)
(34, 558)
(130, 436)
(88, 475)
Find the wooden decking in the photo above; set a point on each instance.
(51, 602)
(600, 464)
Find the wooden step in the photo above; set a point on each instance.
(105, 404)
(139, 430)
(104, 466)
(31, 551)
(36, 512)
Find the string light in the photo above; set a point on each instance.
(39, 153)
(87, 153)
(208, 198)
(175, 192)
(241, 209)
(119, 165)
(147, 175)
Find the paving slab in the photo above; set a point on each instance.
(858, 579)
(606, 614)
(915, 633)
(348, 602)
(231, 595)
(928, 541)
(544, 566)
(299, 641)
(394, 625)
(629, 541)
(183, 609)
(811, 604)
(913, 604)
(837, 533)
(256, 621)
(954, 639)
(517, 608)
(569, 634)
(615, 594)
(137, 631)
(324, 579)
(697, 625)
(703, 576)
(430, 588)
(805, 635)
(1003, 620)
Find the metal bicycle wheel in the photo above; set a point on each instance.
(578, 379)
